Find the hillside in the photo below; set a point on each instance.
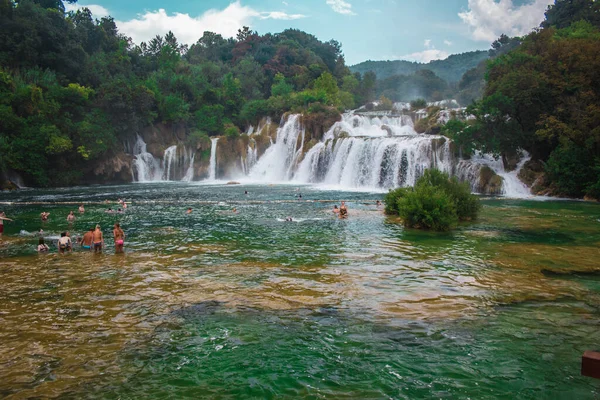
(450, 69)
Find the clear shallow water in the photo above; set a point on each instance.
(217, 304)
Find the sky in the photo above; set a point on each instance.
(422, 30)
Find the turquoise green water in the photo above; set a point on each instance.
(219, 304)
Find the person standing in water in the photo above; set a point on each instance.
(119, 238)
(81, 209)
(189, 210)
(44, 216)
(71, 217)
(2, 219)
(343, 210)
(42, 246)
(98, 239)
(87, 240)
(64, 243)
(336, 210)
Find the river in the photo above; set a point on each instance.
(217, 304)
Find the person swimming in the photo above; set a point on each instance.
(289, 219)
(336, 210)
(378, 203)
(110, 211)
(189, 210)
(71, 217)
(119, 238)
(44, 216)
(343, 210)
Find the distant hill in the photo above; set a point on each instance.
(450, 69)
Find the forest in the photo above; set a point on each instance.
(543, 96)
(72, 87)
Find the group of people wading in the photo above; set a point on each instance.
(92, 240)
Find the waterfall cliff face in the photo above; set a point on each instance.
(176, 164)
(371, 152)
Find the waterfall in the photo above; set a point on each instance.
(168, 159)
(177, 164)
(212, 173)
(370, 152)
(145, 167)
(189, 174)
(280, 160)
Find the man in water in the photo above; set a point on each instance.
(119, 238)
(64, 243)
(189, 210)
(378, 204)
(336, 210)
(81, 209)
(98, 239)
(2, 219)
(44, 216)
(87, 240)
(343, 210)
(110, 211)
(71, 217)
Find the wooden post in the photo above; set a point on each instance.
(590, 364)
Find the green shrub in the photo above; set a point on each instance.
(428, 207)
(437, 202)
(418, 104)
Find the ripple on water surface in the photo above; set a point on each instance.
(245, 304)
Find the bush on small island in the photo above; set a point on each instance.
(418, 104)
(437, 202)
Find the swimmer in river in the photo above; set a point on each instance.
(234, 210)
(245, 192)
(124, 206)
(98, 239)
(336, 210)
(343, 210)
(119, 238)
(71, 217)
(378, 204)
(64, 243)
(81, 209)
(120, 211)
(289, 219)
(189, 210)
(42, 246)
(110, 211)
(2, 219)
(87, 240)
(44, 216)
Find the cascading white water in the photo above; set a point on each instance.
(280, 160)
(511, 184)
(145, 167)
(189, 174)
(168, 159)
(372, 152)
(176, 160)
(212, 173)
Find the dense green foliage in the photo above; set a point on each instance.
(73, 89)
(437, 202)
(544, 97)
(451, 69)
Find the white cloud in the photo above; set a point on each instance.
(447, 43)
(341, 7)
(426, 55)
(427, 43)
(189, 29)
(97, 11)
(488, 19)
